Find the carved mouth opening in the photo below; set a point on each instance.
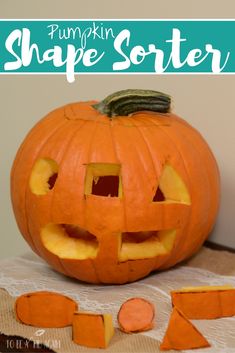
(69, 241)
(142, 245)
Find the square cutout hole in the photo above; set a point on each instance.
(103, 179)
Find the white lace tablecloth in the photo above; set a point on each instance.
(29, 273)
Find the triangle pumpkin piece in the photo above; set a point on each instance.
(182, 334)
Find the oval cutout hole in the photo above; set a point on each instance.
(43, 176)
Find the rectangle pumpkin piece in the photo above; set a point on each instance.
(209, 302)
(92, 330)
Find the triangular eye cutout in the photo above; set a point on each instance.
(159, 196)
(171, 187)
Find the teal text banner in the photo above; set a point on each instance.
(117, 46)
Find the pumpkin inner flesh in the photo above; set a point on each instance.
(73, 242)
(43, 176)
(69, 242)
(153, 244)
(109, 330)
(173, 187)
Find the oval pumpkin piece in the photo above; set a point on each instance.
(45, 309)
(136, 315)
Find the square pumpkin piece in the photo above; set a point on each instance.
(209, 302)
(92, 330)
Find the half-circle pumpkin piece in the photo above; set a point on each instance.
(45, 309)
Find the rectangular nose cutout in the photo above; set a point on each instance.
(103, 179)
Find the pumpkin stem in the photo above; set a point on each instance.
(133, 100)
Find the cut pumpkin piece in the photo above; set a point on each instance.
(210, 302)
(136, 315)
(182, 334)
(92, 330)
(45, 309)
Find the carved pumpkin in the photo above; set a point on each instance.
(108, 192)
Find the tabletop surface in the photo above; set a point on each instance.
(215, 263)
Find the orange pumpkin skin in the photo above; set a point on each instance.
(75, 136)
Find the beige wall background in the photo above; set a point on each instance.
(207, 102)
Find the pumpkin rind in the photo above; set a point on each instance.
(143, 143)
